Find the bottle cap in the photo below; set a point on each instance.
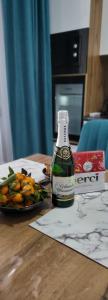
(63, 116)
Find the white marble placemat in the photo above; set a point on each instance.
(30, 166)
(82, 227)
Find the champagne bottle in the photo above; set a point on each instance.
(62, 169)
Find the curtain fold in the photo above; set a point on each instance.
(6, 153)
(28, 60)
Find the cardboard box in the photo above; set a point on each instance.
(89, 171)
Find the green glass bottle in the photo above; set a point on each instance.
(62, 169)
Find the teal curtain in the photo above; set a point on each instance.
(28, 60)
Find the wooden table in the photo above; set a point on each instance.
(34, 266)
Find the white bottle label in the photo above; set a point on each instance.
(62, 139)
(63, 185)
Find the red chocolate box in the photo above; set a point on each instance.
(89, 161)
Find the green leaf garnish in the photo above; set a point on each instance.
(23, 171)
(9, 179)
(29, 175)
(11, 171)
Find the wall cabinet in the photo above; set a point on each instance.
(69, 52)
(68, 15)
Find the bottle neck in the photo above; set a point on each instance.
(62, 139)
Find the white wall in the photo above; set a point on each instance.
(68, 15)
(104, 29)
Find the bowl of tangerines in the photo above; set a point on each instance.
(20, 192)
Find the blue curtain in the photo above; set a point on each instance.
(28, 60)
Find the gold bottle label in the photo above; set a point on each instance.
(63, 152)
